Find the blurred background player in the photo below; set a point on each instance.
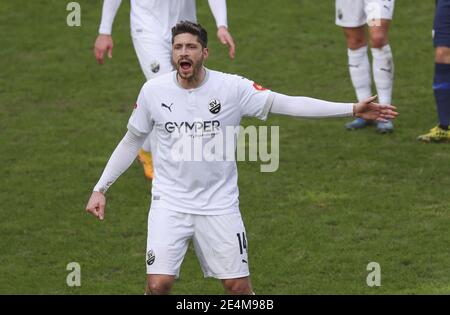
(151, 23)
(352, 15)
(441, 84)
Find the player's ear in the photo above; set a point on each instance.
(205, 53)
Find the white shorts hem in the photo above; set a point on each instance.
(350, 25)
(227, 276)
(163, 272)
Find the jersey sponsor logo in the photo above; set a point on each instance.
(259, 87)
(150, 257)
(169, 107)
(196, 126)
(154, 66)
(214, 106)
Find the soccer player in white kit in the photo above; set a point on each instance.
(352, 15)
(151, 23)
(199, 199)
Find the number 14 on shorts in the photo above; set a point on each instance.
(242, 242)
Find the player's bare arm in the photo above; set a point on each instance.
(219, 11)
(104, 42)
(225, 38)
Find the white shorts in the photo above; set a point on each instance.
(356, 13)
(220, 243)
(154, 55)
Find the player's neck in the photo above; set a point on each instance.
(193, 82)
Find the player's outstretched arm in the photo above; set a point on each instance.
(219, 11)
(104, 43)
(121, 159)
(314, 108)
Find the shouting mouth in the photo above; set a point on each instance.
(185, 65)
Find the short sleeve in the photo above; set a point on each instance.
(141, 122)
(253, 99)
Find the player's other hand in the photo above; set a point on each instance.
(369, 110)
(96, 205)
(225, 38)
(103, 44)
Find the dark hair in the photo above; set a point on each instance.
(191, 28)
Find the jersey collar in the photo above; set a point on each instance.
(198, 87)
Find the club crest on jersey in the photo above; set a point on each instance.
(214, 106)
(258, 87)
(154, 66)
(150, 257)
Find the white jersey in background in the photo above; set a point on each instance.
(165, 108)
(155, 18)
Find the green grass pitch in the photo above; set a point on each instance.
(338, 201)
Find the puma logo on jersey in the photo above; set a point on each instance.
(386, 70)
(169, 107)
(353, 66)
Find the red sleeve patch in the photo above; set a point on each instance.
(258, 87)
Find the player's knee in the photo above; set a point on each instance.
(356, 43)
(238, 286)
(378, 40)
(159, 285)
(443, 55)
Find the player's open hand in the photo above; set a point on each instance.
(103, 44)
(369, 110)
(225, 38)
(96, 205)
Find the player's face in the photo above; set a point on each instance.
(188, 55)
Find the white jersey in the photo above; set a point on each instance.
(154, 19)
(171, 113)
(157, 17)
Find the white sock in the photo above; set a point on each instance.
(359, 67)
(383, 73)
(147, 147)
